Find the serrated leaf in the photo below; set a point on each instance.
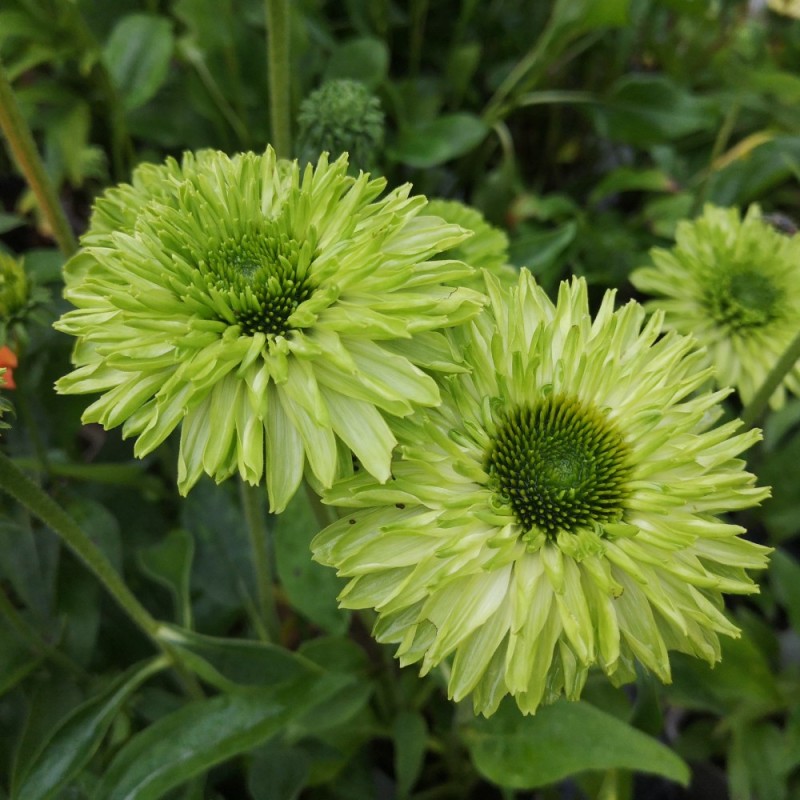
(77, 738)
(565, 738)
(137, 55)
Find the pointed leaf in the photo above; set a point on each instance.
(562, 739)
(77, 738)
(205, 733)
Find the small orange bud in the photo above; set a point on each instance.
(8, 359)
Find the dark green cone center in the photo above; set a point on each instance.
(263, 278)
(745, 299)
(560, 465)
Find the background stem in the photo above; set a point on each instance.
(253, 507)
(755, 408)
(279, 77)
(23, 150)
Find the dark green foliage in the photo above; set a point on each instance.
(586, 129)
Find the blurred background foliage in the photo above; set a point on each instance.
(586, 129)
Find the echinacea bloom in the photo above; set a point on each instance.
(734, 285)
(487, 248)
(557, 511)
(272, 313)
(8, 361)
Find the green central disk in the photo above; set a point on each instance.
(560, 465)
(263, 278)
(743, 299)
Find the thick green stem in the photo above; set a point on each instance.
(279, 75)
(756, 407)
(23, 149)
(253, 508)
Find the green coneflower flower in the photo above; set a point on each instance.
(557, 511)
(269, 311)
(342, 116)
(486, 249)
(733, 284)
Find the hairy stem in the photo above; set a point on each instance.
(756, 407)
(279, 75)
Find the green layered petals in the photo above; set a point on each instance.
(246, 301)
(558, 511)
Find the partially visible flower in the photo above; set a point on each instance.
(8, 361)
(21, 300)
(486, 249)
(271, 312)
(733, 284)
(342, 116)
(559, 510)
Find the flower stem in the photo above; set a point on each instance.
(253, 507)
(720, 143)
(43, 507)
(755, 408)
(325, 515)
(23, 149)
(279, 75)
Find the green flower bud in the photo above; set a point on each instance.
(341, 117)
(13, 287)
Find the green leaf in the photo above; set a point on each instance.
(278, 772)
(16, 659)
(645, 110)
(627, 179)
(410, 733)
(364, 59)
(784, 573)
(522, 752)
(310, 587)
(759, 762)
(205, 733)
(77, 738)
(137, 54)
(742, 679)
(233, 663)
(9, 221)
(169, 562)
(589, 15)
(442, 139)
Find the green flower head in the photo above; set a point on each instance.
(277, 315)
(487, 248)
(733, 284)
(557, 511)
(341, 117)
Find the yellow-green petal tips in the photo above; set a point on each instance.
(732, 283)
(269, 310)
(558, 511)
